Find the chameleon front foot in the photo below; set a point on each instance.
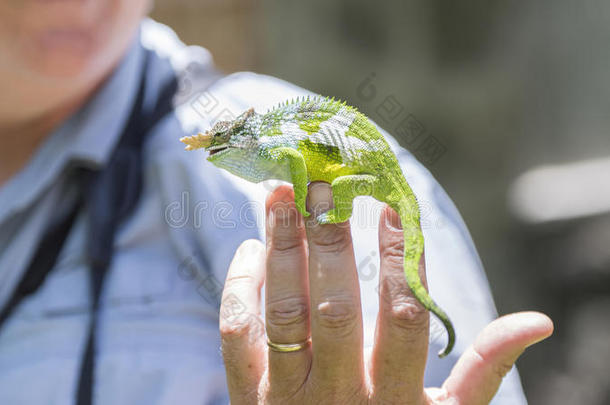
(345, 189)
(297, 174)
(341, 212)
(299, 200)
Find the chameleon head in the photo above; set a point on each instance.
(225, 136)
(233, 145)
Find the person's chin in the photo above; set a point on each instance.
(64, 53)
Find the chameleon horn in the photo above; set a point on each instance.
(197, 141)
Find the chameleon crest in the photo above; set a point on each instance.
(321, 139)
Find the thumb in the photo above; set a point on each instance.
(478, 373)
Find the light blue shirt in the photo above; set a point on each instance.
(158, 340)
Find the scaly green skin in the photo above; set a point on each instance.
(320, 139)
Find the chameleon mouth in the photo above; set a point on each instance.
(217, 149)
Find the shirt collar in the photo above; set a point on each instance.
(88, 136)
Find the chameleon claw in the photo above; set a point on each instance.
(330, 217)
(324, 218)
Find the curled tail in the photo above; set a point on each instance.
(414, 248)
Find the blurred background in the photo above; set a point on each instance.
(508, 105)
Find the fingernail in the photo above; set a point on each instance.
(248, 250)
(319, 198)
(249, 247)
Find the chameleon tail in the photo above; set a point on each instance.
(414, 248)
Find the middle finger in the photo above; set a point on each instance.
(336, 318)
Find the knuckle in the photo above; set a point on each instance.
(392, 246)
(285, 244)
(407, 309)
(286, 312)
(501, 369)
(331, 239)
(393, 256)
(338, 314)
(236, 327)
(407, 313)
(401, 307)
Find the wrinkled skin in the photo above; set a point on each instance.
(311, 289)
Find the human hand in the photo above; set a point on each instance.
(313, 301)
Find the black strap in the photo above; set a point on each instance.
(45, 256)
(112, 194)
(110, 198)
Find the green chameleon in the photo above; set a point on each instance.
(321, 139)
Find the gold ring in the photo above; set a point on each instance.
(288, 347)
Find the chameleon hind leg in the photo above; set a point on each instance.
(297, 174)
(345, 189)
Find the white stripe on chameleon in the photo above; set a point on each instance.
(290, 136)
(336, 128)
(332, 133)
